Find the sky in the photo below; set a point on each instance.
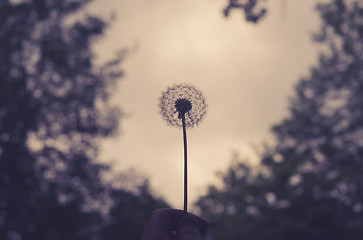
(246, 72)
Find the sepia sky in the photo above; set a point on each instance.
(247, 73)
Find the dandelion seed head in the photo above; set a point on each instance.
(180, 100)
(183, 106)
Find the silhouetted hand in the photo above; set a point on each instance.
(173, 224)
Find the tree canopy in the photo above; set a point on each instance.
(309, 184)
(252, 9)
(54, 109)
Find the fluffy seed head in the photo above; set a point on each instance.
(180, 100)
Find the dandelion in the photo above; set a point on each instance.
(183, 106)
(182, 100)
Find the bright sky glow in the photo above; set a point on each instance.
(246, 73)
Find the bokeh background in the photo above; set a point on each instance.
(246, 72)
(85, 153)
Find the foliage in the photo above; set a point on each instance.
(310, 183)
(130, 213)
(53, 111)
(252, 9)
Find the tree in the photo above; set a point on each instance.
(130, 212)
(310, 183)
(53, 111)
(252, 9)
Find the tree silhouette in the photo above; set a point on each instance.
(130, 212)
(252, 9)
(310, 183)
(53, 111)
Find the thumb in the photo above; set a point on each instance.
(188, 228)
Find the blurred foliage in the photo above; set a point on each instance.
(54, 109)
(130, 213)
(252, 9)
(309, 184)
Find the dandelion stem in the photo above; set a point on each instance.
(185, 165)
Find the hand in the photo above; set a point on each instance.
(173, 224)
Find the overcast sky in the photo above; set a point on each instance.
(246, 72)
